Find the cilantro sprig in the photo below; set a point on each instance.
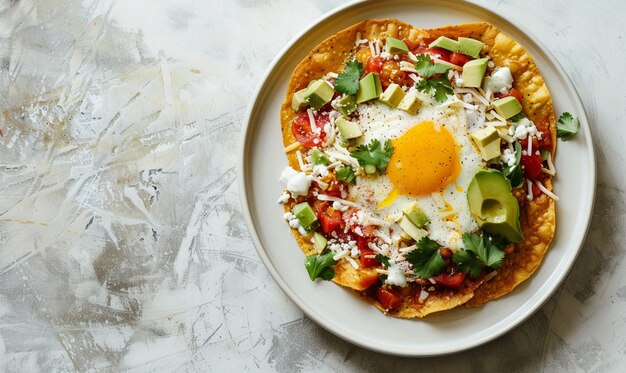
(514, 173)
(480, 251)
(347, 82)
(426, 69)
(383, 260)
(438, 86)
(426, 259)
(567, 126)
(320, 265)
(374, 154)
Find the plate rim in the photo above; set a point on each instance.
(246, 131)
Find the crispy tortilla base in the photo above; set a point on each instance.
(537, 216)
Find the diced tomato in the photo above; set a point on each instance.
(532, 166)
(334, 188)
(388, 299)
(459, 59)
(410, 43)
(368, 256)
(330, 219)
(301, 129)
(524, 142)
(546, 137)
(516, 93)
(451, 280)
(438, 53)
(374, 65)
(536, 190)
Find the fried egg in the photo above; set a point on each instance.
(432, 164)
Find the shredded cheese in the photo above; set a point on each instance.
(292, 147)
(324, 197)
(546, 191)
(314, 126)
(529, 185)
(352, 262)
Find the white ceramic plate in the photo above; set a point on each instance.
(338, 310)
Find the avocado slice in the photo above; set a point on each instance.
(410, 103)
(507, 107)
(488, 142)
(349, 130)
(369, 88)
(411, 230)
(318, 94)
(470, 47)
(305, 215)
(319, 242)
(396, 46)
(445, 43)
(346, 105)
(392, 95)
(319, 157)
(474, 72)
(492, 203)
(297, 100)
(415, 214)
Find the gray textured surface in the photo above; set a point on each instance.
(121, 235)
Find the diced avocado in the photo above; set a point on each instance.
(349, 130)
(345, 174)
(395, 46)
(507, 107)
(369, 168)
(319, 242)
(369, 88)
(318, 94)
(346, 105)
(448, 64)
(411, 230)
(305, 215)
(415, 214)
(493, 205)
(297, 100)
(488, 142)
(410, 103)
(319, 157)
(469, 46)
(474, 72)
(445, 43)
(392, 95)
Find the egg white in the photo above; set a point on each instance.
(379, 121)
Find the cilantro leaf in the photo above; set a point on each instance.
(426, 69)
(426, 259)
(514, 173)
(374, 154)
(567, 126)
(348, 81)
(440, 87)
(383, 260)
(345, 174)
(320, 265)
(467, 262)
(480, 251)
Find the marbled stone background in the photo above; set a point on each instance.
(122, 243)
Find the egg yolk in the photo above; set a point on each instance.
(425, 159)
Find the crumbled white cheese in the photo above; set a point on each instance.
(508, 157)
(500, 80)
(385, 55)
(284, 197)
(298, 183)
(320, 170)
(396, 276)
(521, 132)
(355, 252)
